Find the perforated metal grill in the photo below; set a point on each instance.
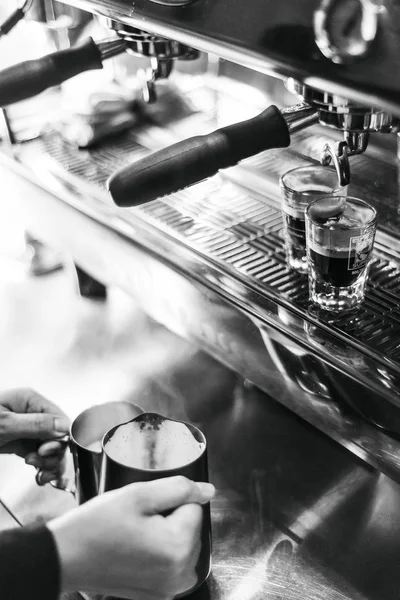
(92, 166)
(242, 231)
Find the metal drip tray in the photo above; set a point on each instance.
(228, 228)
(241, 230)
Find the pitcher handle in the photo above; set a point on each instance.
(61, 483)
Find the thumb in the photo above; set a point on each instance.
(161, 495)
(37, 426)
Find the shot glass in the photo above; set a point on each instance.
(299, 187)
(340, 233)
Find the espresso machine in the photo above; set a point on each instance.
(184, 215)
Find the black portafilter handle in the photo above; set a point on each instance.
(192, 160)
(29, 78)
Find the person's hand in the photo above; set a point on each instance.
(26, 421)
(120, 543)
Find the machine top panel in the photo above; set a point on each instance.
(279, 38)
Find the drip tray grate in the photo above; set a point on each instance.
(240, 230)
(255, 249)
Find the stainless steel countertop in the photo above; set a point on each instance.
(295, 516)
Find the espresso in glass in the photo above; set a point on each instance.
(299, 187)
(340, 235)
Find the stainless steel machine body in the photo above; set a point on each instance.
(208, 261)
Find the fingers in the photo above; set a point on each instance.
(23, 400)
(52, 447)
(48, 463)
(162, 495)
(43, 477)
(26, 414)
(49, 468)
(186, 522)
(187, 518)
(184, 525)
(15, 426)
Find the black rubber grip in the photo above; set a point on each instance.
(11, 21)
(182, 164)
(27, 79)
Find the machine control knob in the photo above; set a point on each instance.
(346, 29)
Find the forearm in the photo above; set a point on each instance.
(29, 565)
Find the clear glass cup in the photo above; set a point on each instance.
(299, 187)
(340, 233)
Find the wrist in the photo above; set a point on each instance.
(72, 555)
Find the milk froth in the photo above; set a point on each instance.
(157, 443)
(94, 446)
